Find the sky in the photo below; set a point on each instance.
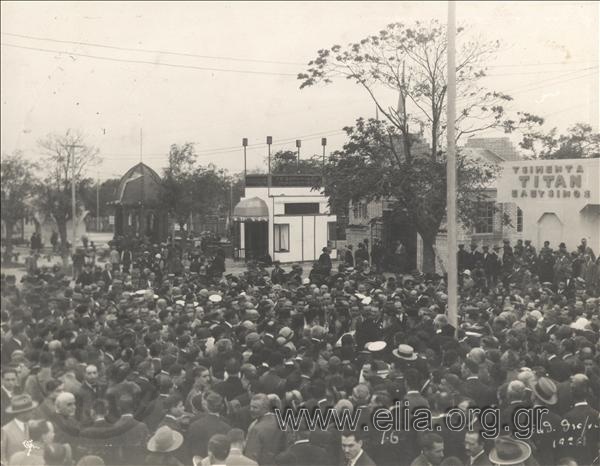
(102, 68)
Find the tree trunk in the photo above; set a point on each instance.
(62, 233)
(428, 254)
(8, 241)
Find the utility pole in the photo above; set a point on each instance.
(245, 144)
(324, 143)
(71, 148)
(298, 145)
(452, 312)
(98, 203)
(269, 142)
(142, 222)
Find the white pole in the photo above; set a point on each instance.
(98, 203)
(452, 311)
(73, 200)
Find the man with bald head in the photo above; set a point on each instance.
(265, 439)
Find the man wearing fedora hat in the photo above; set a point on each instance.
(544, 437)
(16, 431)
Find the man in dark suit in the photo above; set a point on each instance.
(232, 386)
(107, 276)
(16, 342)
(9, 383)
(202, 429)
(463, 258)
(301, 452)
(265, 439)
(277, 274)
(476, 259)
(90, 391)
(558, 369)
(491, 265)
(432, 451)
(126, 437)
(354, 454)
(483, 395)
(474, 446)
(581, 440)
(413, 398)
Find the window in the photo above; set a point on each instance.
(282, 237)
(359, 210)
(519, 220)
(301, 208)
(485, 218)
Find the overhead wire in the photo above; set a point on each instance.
(144, 62)
(144, 50)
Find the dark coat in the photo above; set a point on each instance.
(580, 441)
(200, 432)
(483, 395)
(230, 388)
(363, 460)
(265, 440)
(125, 440)
(301, 453)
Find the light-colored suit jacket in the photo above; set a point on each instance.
(12, 440)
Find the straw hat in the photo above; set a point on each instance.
(509, 451)
(165, 440)
(405, 352)
(545, 389)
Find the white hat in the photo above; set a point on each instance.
(374, 346)
(215, 298)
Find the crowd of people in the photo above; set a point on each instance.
(159, 357)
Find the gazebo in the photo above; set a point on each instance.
(137, 208)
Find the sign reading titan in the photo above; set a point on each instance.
(550, 181)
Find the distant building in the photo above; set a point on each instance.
(288, 221)
(496, 221)
(560, 199)
(137, 211)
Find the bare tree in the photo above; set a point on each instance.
(65, 157)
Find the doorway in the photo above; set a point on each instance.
(256, 240)
(550, 228)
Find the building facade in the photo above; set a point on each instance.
(560, 199)
(285, 219)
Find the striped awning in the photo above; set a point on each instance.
(253, 209)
